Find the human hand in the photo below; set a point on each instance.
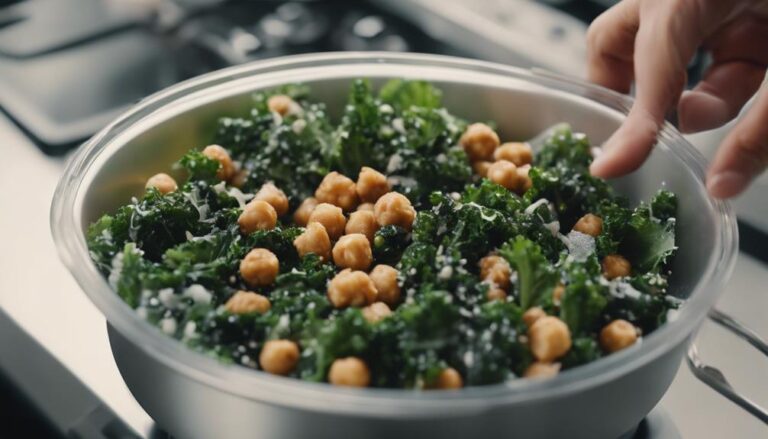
(651, 42)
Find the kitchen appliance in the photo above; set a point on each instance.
(180, 388)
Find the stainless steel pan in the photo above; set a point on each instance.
(194, 396)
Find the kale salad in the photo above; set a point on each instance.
(397, 245)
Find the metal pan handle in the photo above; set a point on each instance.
(715, 379)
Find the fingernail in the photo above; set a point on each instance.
(727, 184)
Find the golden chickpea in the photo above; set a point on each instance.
(496, 270)
(353, 251)
(549, 338)
(246, 302)
(376, 312)
(274, 196)
(350, 372)
(351, 288)
(616, 266)
(259, 267)
(338, 190)
(589, 224)
(301, 216)
(331, 217)
(504, 173)
(365, 207)
(617, 335)
(557, 294)
(364, 222)
(371, 185)
(542, 370)
(279, 357)
(479, 141)
(532, 314)
(495, 293)
(449, 378)
(257, 215)
(282, 105)
(384, 279)
(226, 166)
(314, 240)
(518, 153)
(163, 182)
(394, 208)
(481, 167)
(524, 182)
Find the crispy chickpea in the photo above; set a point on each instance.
(163, 182)
(365, 206)
(302, 213)
(394, 208)
(495, 293)
(542, 370)
(518, 153)
(274, 196)
(524, 182)
(282, 105)
(479, 141)
(259, 267)
(331, 217)
(364, 222)
(314, 240)
(384, 279)
(371, 185)
(549, 338)
(557, 294)
(504, 173)
(617, 335)
(589, 224)
(496, 270)
(532, 314)
(226, 167)
(338, 190)
(351, 288)
(481, 167)
(246, 302)
(353, 251)
(350, 372)
(376, 312)
(449, 378)
(257, 215)
(616, 266)
(279, 357)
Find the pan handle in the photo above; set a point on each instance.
(714, 378)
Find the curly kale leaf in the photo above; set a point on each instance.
(128, 269)
(649, 241)
(489, 194)
(647, 311)
(583, 350)
(584, 298)
(344, 334)
(536, 276)
(664, 205)
(615, 218)
(389, 242)
(564, 147)
(199, 167)
(402, 94)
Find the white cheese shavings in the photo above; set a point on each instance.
(198, 294)
(395, 161)
(445, 273)
(298, 126)
(190, 330)
(580, 245)
(167, 298)
(168, 325)
(398, 125)
(535, 205)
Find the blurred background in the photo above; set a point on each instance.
(68, 67)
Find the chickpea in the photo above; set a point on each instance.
(481, 167)
(557, 294)
(479, 141)
(246, 302)
(376, 312)
(362, 222)
(365, 206)
(259, 267)
(518, 153)
(524, 182)
(239, 179)
(353, 251)
(279, 357)
(282, 105)
(351, 288)
(589, 224)
(504, 173)
(616, 266)
(302, 213)
(371, 185)
(257, 215)
(350, 372)
(274, 196)
(542, 370)
(549, 338)
(496, 270)
(226, 166)
(164, 183)
(314, 240)
(331, 217)
(495, 293)
(617, 335)
(338, 190)
(384, 278)
(532, 314)
(394, 208)
(449, 378)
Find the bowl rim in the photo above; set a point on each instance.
(321, 397)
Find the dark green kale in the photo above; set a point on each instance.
(615, 216)
(664, 205)
(344, 334)
(536, 276)
(402, 94)
(389, 242)
(199, 167)
(585, 297)
(649, 241)
(583, 350)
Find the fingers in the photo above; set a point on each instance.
(743, 154)
(610, 46)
